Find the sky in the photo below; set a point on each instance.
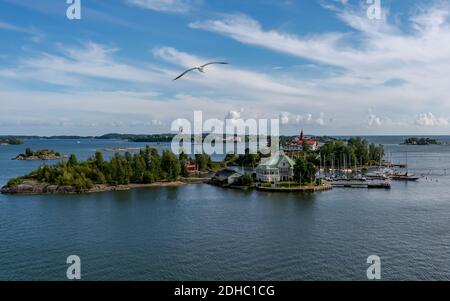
(323, 66)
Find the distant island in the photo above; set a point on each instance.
(121, 172)
(157, 138)
(43, 154)
(421, 141)
(10, 141)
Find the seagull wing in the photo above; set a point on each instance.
(210, 63)
(189, 70)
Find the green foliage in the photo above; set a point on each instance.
(142, 168)
(215, 166)
(376, 153)
(28, 152)
(245, 180)
(99, 159)
(170, 165)
(202, 161)
(184, 172)
(230, 157)
(41, 154)
(248, 159)
(420, 141)
(14, 182)
(10, 140)
(305, 146)
(73, 160)
(356, 151)
(304, 171)
(184, 161)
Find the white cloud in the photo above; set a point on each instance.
(234, 114)
(374, 120)
(75, 65)
(157, 122)
(429, 119)
(244, 82)
(249, 31)
(35, 35)
(284, 117)
(392, 66)
(398, 70)
(172, 6)
(306, 119)
(321, 120)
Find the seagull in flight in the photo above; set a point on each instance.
(199, 68)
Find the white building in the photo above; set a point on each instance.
(277, 168)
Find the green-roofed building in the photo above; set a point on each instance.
(277, 168)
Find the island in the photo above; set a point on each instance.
(421, 141)
(295, 169)
(43, 154)
(122, 172)
(10, 141)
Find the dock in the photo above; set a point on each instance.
(361, 183)
(310, 189)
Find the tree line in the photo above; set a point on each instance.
(144, 167)
(356, 152)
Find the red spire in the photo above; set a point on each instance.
(302, 136)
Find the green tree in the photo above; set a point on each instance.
(305, 146)
(376, 153)
(170, 165)
(99, 159)
(138, 168)
(153, 162)
(300, 170)
(202, 161)
(183, 156)
(184, 161)
(28, 152)
(304, 171)
(245, 180)
(230, 157)
(73, 160)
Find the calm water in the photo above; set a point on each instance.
(201, 232)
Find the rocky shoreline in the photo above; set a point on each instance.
(34, 187)
(42, 154)
(38, 158)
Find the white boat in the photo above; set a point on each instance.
(360, 183)
(383, 173)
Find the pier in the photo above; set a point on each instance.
(361, 183)
(322, 187)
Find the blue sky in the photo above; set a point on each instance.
(319, 65)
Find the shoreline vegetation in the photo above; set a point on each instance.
(42, 154)
(157, 138)
(147, 168)
(144, 169)
(421, 141)
(35, 187)
(7, 140)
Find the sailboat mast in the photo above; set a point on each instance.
(406, 163)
